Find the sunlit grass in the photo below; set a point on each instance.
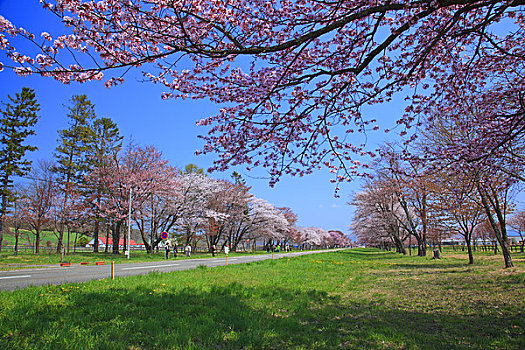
(351, 299)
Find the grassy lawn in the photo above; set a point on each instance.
(351, 299)
(28, 237)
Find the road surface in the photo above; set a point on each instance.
(17, 279)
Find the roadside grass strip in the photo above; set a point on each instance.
(353, 299)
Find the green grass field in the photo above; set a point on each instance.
(353, 299)
(27, 237)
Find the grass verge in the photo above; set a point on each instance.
(350, 299)
(23, 260)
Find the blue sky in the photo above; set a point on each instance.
(169, 125)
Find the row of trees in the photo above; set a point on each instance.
(295, 79)
(416, 194)
(97, 185)
(400, 210)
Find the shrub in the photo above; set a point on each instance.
(82, 241)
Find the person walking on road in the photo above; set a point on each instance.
(188, 250)
(167, 248)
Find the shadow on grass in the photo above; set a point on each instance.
(445, 267)
(369, 254)
(240, 317)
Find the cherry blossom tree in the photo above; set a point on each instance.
(158, 212)
(267, 222)
(69, 212)
(193, 211)
(480, 116)
(290, 231)
(292, 77)
(379, 217)
(460, 206)
(133, 176)
(17, 219)
(228, 202)
(495, 200)
(411, 186)
(492, 170)
(38, 198)
(340, 239)
(314, 236)
(484, 233)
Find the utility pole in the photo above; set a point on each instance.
(129, 219)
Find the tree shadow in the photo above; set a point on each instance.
(370, 254)
(445, 267)
(236, 316)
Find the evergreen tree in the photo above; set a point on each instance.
(105, 144)
(192, 169)
(71, 153)
(16, 124)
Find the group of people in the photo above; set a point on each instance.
(277, 248)
(187, 250)
(214, 249)
(167, 247)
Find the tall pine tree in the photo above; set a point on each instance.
(17, 121)
(71, 154)
(105, 144)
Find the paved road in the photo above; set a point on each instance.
(16, 279)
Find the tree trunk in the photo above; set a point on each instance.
(116, 236)
(499, 231)
(17, 233)
(423, 246)
(147, 245)
(60, 243)
(68, 239)
(95, 235)
(97, 223)
(470, 254)
(106, 248)
(75, 242)
(37, 241)
(125, 247)
(399, 245)
(424, 224)
(505, 249)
